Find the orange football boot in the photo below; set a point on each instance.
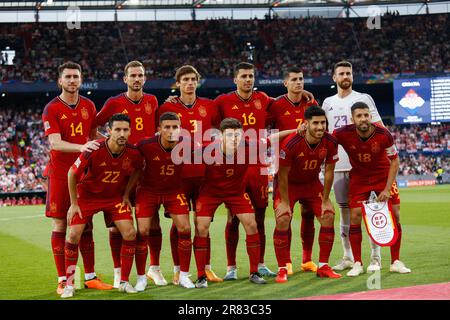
(309, 266)
(97, 284)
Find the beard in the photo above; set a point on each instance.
(345, 84)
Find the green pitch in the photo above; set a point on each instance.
(28, 271)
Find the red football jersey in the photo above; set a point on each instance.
(252, 113)
(306, 160)
(197, 119)
(101, 175)
(224, 177)
(141, 113)
(161, 175)
(369, 157)
(286, 115)
(202, 115)
(73, 124)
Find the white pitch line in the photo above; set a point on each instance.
(19, 218)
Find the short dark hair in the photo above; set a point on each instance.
(289, 70)
(359, 105)
(186, 69)
(118, 117)
(168, 116)
(230, 123)
(242, 66)
(68, 65)
(342, 63)
(133, 64)
(314, 111)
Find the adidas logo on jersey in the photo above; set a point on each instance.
(156, 158)
(353, 147)
(63, 117)
(301, 155)
(103, 164)
(235, 107)
(125, 111)
(287, 113)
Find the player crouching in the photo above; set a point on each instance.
(96, 183)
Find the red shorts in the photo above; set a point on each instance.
(207, 205)
(308, 195)
(361, 192)
(257, 187)
(148, 203)
(114, 209)
(58, 198)
(108, 217)
(191, 188)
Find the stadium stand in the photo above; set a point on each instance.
(404, 44)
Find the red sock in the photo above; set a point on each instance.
(126, 258)
(232, 239)
(155, 242)
(115, 242)
(355, 236)
(289, 259)
(395, 248)
(200, 249)
(58, 243)
(87, 251)
(208, 252)
(71, 259)
(326, 239)
(185, 250)
(141, 254)
(260, 214)
(174, 245)
(281, 245)
(307, 234)
(253, 246)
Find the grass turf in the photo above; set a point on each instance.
(28, 270)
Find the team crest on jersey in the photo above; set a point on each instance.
(53, 207)
(322, 153)
(258, 104)
(126, 163)
(84, 113)
(375, 147)
(202, 111)
(148, 108)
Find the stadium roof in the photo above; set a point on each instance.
(177, 4)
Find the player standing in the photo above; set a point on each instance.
(141, 108)
(224, 184)
(250, 107)
(197, 116)
(301, 157)
(288, 112)
(337, 109)
(374, 160)
(160, 184)
(69, 123)
(96, 183)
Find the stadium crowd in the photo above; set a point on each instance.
(403, 44)
(24, 151)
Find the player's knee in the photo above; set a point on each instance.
(184, 228)
(251, 226)
(202, 230)
(74, 236)
(355, 216)
(59, 225)
(282, 223)
(129, 234)
(144, 230)
(327, 220)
